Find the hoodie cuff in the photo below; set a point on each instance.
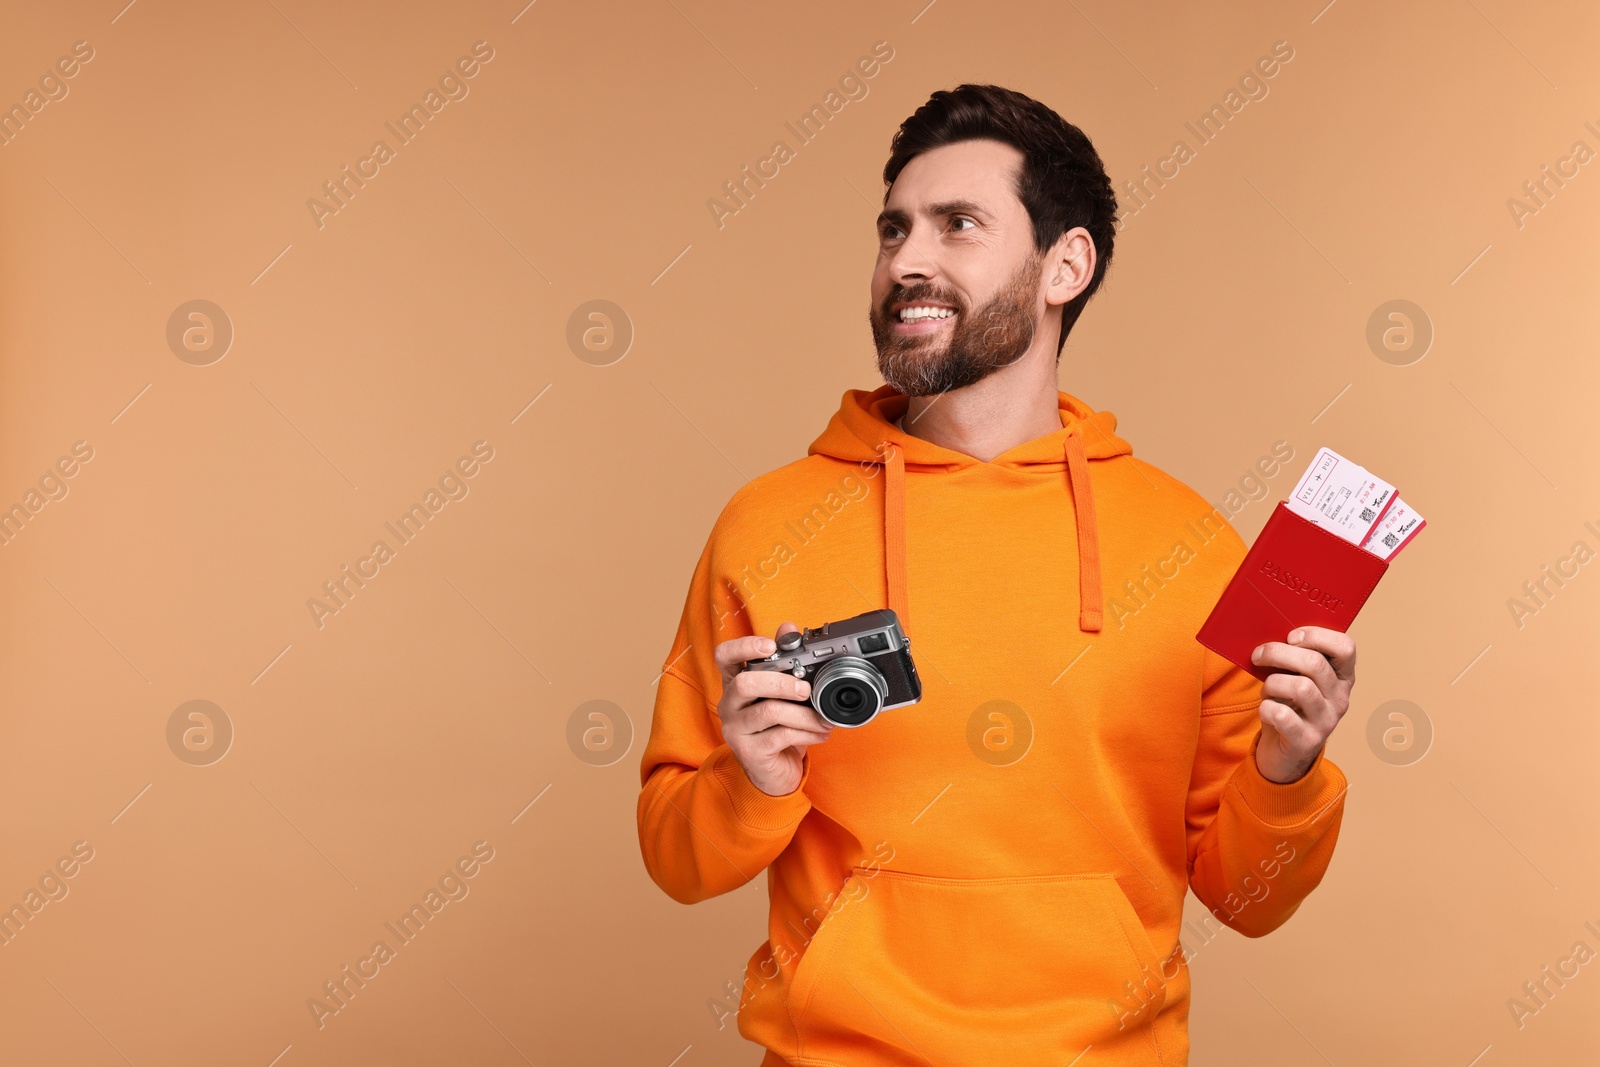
(1288, 804)
(756, 810)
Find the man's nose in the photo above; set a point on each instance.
(909, 264)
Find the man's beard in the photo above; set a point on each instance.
(981, 342)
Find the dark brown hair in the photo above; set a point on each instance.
(1062, 183)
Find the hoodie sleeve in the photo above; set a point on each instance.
(1257, 848)
(704, 827)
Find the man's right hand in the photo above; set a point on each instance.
(762, 721)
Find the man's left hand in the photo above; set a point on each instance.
(1301, 706)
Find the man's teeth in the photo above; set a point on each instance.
(917, 314)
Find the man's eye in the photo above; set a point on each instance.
(960, 219)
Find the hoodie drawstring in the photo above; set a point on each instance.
(1090, 597)
(1090, 603)
(894, 533)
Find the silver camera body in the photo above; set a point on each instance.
(857, 667)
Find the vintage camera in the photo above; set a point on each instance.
(857, 667)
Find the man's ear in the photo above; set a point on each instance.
(1068, 266)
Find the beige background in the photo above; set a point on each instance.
(370, 353)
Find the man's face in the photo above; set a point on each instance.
(955, 293)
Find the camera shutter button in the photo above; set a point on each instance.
(789, 642)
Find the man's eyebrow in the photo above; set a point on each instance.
(893, 216)
(957, 207)
(899, 218)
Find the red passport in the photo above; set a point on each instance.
(1296, 574)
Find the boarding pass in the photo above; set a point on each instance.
(1341, 497)
(1350, 501)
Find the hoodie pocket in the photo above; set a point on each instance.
(914, 969)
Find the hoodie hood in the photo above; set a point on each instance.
(863, 431)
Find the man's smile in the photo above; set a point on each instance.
(914, 319)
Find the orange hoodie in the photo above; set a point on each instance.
(995, 874)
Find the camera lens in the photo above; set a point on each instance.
(848, 691)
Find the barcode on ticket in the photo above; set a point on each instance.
(1398, 527)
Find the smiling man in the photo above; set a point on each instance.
(994, 874)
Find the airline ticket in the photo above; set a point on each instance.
(1342, 497)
